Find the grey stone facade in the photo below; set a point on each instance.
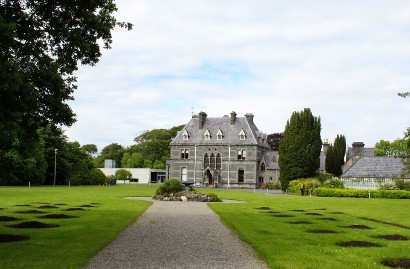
(221, 152)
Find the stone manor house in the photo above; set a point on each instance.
(224, 152)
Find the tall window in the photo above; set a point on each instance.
(184, 174)
(241, 154)
(206, 160)
(263, 167)
(184, 154)
(241, 175)
(207, 135)
(218, 161)
(213, 161)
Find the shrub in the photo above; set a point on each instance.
(273, 186)
(97, 177)
(322, 177)
(214, 198)
(394, 194)
(334, 183)
(123, 174)
(402, 184)
(170, 186)
(309, 183)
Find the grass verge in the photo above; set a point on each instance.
(304, 232)
(101, 213)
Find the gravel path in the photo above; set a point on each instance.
(177, 235)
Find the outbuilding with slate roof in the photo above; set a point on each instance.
(219, 152)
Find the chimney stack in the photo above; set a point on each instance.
(325, 146)
(249, 117)
(233, 118)
(202, 117)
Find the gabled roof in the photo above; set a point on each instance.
(375, 167)
(268, 157)
(223, 124)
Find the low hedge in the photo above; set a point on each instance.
(390, 194)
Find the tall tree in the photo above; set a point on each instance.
(397, 148)
(42, 43)
(113, 151)
(154, 145)
(299, 150)
(335, 156)
(406, 156)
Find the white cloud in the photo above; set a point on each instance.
(344, 60)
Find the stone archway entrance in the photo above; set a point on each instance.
(209, 178)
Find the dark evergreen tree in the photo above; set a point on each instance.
(299, 150)
(335, 156)
(274, 140)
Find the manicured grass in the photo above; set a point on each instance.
(286, 245)
(77, 239)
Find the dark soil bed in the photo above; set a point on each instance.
(271, 212)
(57, 216)
(397, 263)
(393, 237)
(364, 244)
(60, 204)
(359, 226)
(322, 231)
(298, 210)
(1, 208)
(33, 224)
(388, 223)
(31, 212)
(321, 209)
(300, 222)
(95, 203)
(263, 208)
(338, 213)
(75, 209)
(6, 238)
(86, 206)
(313, 214)
(48, 206)
(330, 219)
(7, 218)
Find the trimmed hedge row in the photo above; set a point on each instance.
(390, 194)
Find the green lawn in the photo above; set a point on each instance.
(286, 245)
(263, 222)
(77, 239)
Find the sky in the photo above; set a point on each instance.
(345, 60)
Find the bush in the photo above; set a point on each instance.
(214, 198)
(402, 184)
(123, 174)
(170, 186)
(309, 183)
(322, 177)
(394, 194)
(273, 186)
(97, 177)
(334, 183)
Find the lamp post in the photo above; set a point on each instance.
(55, 165)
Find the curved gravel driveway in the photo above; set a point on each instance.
(177, 235)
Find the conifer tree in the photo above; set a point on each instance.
(300, 147)
(335, 156)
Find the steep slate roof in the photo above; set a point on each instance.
(375, 167)
(230, 132)
(268, 156)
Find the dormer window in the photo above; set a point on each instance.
(219, 135)
(207, 135)
(185, 135)
(242, 135)
(263, 167)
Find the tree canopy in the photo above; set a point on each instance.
(274, 140)
(335, 156)
(396, 148)
(300, 147)
(42, 43)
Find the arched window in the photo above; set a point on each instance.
(263, 167)
(213, 161)
(185, 135)
(184, 174)
(207, 135)
(242, 135)
(206, 160)
(219, 135)
(218, 161)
